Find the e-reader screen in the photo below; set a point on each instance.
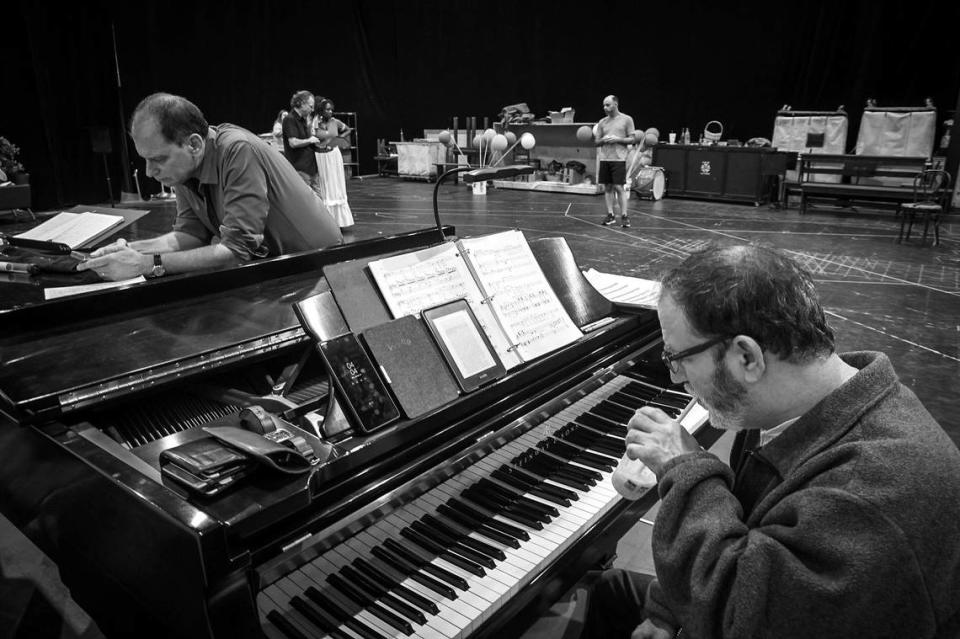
(464, 344)
(365, 397)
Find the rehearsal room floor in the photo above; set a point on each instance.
(903, 299)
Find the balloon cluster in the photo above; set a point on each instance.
(646, 140)
(489, 141)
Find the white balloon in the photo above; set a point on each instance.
(499, 142)
(527, 141)
(488, 135)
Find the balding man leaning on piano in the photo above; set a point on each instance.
(237, 199)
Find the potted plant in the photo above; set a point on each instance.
(10, 165)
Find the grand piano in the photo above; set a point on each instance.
(467, 521)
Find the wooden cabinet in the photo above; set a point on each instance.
(732, 173)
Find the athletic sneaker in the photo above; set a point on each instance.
(625, 221)
(611, 218)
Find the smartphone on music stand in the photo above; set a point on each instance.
(365, 397)
(464, 344)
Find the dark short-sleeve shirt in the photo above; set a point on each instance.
(304, 158)
(246, 194)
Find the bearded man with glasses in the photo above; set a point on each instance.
(839, 513)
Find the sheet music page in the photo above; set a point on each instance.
(623, 289)
(519, 294)
(432, 276)
(64, 291)
(72, 229)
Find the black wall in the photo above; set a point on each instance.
(411, 65)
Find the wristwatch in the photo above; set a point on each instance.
(158, 269)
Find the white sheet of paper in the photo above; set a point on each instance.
(63, 291)
(624, 289)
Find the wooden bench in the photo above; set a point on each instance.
(875, 179)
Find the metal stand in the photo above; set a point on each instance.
(106, 171)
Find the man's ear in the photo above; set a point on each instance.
(750, 359)
(195, 144)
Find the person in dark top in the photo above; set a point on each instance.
(237, 199)
(839, 514)
(299, 142)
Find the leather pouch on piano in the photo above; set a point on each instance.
(272, 454)
(205, 465)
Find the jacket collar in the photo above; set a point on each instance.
(831, 419)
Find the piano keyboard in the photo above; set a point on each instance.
(442, 564)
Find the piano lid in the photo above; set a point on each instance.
(55, 362)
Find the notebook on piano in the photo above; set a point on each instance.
(412, 365)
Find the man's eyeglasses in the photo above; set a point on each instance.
(672, 360)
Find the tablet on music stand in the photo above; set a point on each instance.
(464, 344)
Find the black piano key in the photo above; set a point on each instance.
(355, 593)
(284, 625)
(345, 616)
(436, 549)
(614, 412)
(479, 528)
(599, 422)
(413, 571)
(470, 542)
(633, 402)
(452, 544)
(547, 495)
(513, 515)
(580, 454)
(519, 499)
(318, 617)
(548, 473)
(508, 529)
(562, 493)
(395, 586)
(516, 480)
(442, 536)
(528, 486)
(384, 595)
(423, 564)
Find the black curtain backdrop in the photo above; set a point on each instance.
(415, 65)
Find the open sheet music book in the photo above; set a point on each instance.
(73, 229)
(501, 280)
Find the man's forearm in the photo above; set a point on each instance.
(212, 256)
(166, 243)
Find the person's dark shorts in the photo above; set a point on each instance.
(612, 172)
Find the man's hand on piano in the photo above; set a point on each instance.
(113, 247)
(121, 264)
(649, 630)
(654, 438)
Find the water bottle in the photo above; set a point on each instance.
(631, 478)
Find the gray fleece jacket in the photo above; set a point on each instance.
(853, 529)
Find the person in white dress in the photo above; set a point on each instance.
(330, 132)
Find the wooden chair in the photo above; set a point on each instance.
(931, 192)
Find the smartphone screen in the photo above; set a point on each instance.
(365, 397)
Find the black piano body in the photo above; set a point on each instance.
(95, 387)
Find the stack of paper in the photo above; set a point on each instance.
(73, 229)
(625, 290)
